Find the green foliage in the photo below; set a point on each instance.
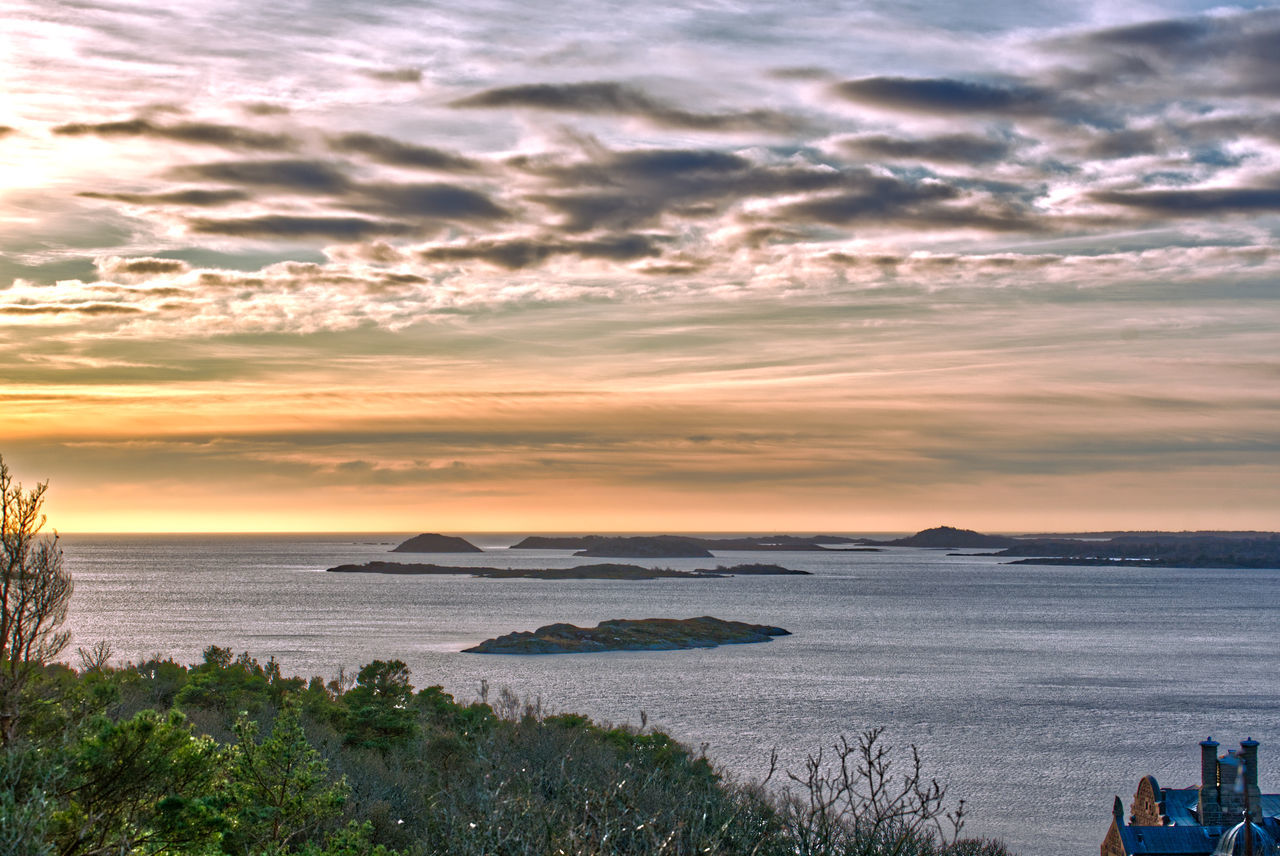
(379, 770)
(376, 711)
(26, 778)
(153, 683)
(278, 788)
(232, 686)
(142, 785)
(353, 840)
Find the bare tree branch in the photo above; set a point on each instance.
(35, 590)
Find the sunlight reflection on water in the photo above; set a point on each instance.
(1036, 693)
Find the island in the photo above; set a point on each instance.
(946, 537)
(604, 571)
(430, 542)
(1225, 550)
(745, 543)
(648, 634)
(641, 547)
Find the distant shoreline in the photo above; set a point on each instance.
(607, 571)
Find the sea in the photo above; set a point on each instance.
(1036, 694)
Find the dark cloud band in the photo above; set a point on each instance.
(288, 226)
(516, 253)
(195, 133)
(952, 96)
(609, 98)
(394, 152)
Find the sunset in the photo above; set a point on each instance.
(707, 267)
(730, 427)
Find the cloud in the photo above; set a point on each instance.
(433, 201)
(196, 197)
(288, 226)
(1172, 36)
(947, 148)
(1195, 202)
(1125, 144)
(671, 268)
(195, 133)
(628, 189)
(516, 253)
(1231, 54)
(90, 309)
(300, 176)
(887, 200)
(616, 99)
(393, 152)
(263, 108)
(396, 75)
(877, 197)
(5, 131)
(935, 95)
(144, 266)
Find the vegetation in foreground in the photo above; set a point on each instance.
(231, 757)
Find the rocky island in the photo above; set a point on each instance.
(1225, 550)
(430, 542)
(746, 543)
(604, 571)
(946, 537)
(648, 634)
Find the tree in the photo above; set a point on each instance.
(34, 593)
(858, 805)
(377, 712)
(280, 787)
(144, 785)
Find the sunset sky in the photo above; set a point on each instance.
(672, 266)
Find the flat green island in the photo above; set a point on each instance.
(646, 634)
(605, 571)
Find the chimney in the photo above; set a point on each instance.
(1209, 763)
(1210, 802)
(1249, 752)
(1249, 749)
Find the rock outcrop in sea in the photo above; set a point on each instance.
(647, 634)
(430, 542)
(947, 536)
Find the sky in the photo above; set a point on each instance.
(715, 265)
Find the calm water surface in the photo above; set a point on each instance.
(1036, 693)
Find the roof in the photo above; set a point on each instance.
(1180, 806)
(1169, 840)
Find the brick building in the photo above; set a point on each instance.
(1199, 821)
